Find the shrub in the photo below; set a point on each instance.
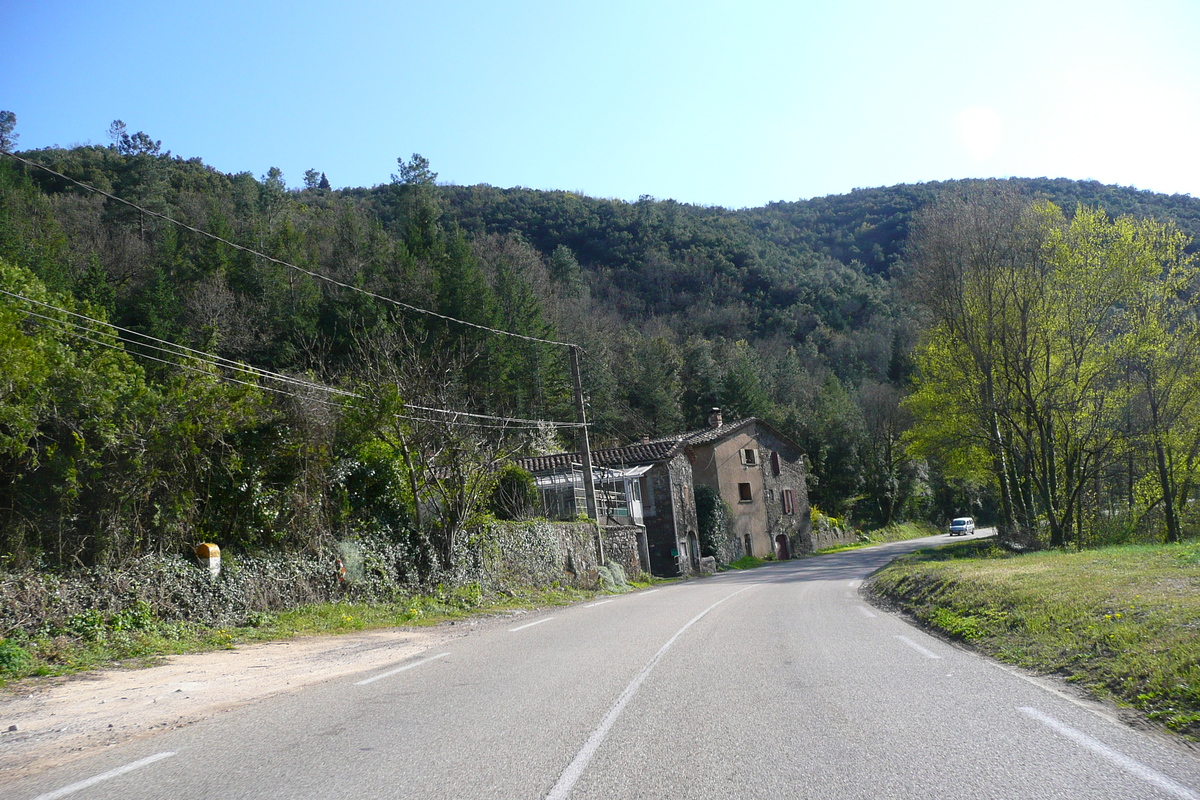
(13, 657)
(515, 494)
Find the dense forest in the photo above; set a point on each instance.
(115, 441)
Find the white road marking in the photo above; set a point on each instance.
(530, 624)
(593, 605)
(398, 670)
(112, 773)
(1124, 762)
(866, 613)
(925, 651)
(643, 594)
(571, 774)
(854, 584)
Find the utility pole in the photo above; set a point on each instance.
(589, 483)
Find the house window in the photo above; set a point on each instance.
(774, 463)
(750, 457)
(744, 494)
(789, 502)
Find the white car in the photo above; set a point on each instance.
(962, 525)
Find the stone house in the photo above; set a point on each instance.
(757, 471)
(648, 485)
(760, 475)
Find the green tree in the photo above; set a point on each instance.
(1160, 344)
(8, 139)
(652, 387)
(742, 393)
(416, 206)
(1027, 357)
(889, 475)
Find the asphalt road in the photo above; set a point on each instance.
(774, 683)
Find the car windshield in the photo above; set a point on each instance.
(962, 521)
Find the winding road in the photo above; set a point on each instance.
(779, 682)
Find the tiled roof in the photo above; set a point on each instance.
(706, 435)
(641, 453)
(644, 452)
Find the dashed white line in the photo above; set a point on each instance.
(530, 624)
(398, 670)
(593, 605)
(571, 774)
(648, 591)
(1124, 762)
(112, 773)
(865, 612)
(925, 651)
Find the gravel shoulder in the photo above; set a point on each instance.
(48, 722)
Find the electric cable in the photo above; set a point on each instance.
(509, 423)
(310, 273)
(199, 355)
(293, 395)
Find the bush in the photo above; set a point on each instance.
(713, 523)
(515, 494)
(13, 657)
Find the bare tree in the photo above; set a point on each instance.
(450, 459)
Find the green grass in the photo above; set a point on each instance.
(896, 532)
(93, 641)
(1124, 622)
(747, 562)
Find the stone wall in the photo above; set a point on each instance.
(670, 489)
(497, 556)
(542, 553)
(830, 532)
(621, 547)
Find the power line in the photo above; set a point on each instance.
(199, 355)
(310, 273)
(574, 349)
(293, 395)
(225, 363)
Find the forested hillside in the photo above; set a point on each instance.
(792, 311)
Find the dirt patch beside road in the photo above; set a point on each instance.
(59, 720)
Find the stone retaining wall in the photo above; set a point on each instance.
(500, 555)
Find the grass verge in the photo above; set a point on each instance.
(896, 532)
(1124, 622)
(747, 562)
(138, 639)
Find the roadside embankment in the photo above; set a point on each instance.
(1123, 622)
(896, 532)
(61, 623)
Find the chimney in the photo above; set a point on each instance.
(645, 438)
(714, 418)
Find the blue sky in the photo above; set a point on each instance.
(721, 103)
